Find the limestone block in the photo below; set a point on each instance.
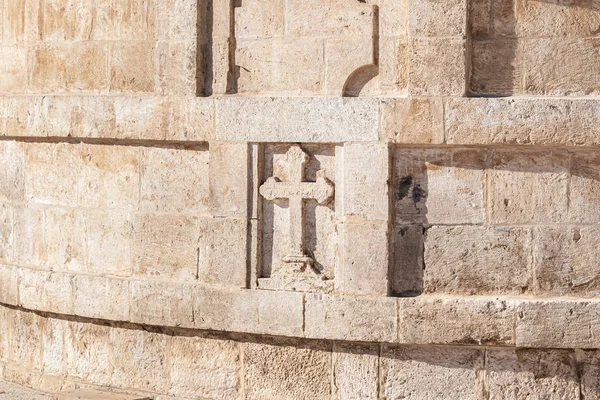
(132, 66)
(437, 18)
(101, 297)
(23, 116)
(226, 247)
(51, 173)
(6, 233)
(229, 191)
(161, 303)
(456, 321)
(393, 65)
(366, 175)
(273, 65)
(322, 120)
(65, 234)
(109, 237)
(13, 65)
(174, 179)
(480, 17)
(109, 176)
(191, 119)
(365, 258)
(166, 246)
(178, 20)
(558, 324)
(406, 275)
(66, 20)
(435, 186)
(531, 373)
(46, 291)
(28, 236)
(94, 117)
(317, 18)
(343, 57)
(412, 121)
(305, 369)
(141, 360)
(496, 66)
(565, 260)
(25, 340)
(437, 66)
(477, 260)
(584, 187)
(177, 68)
(350, 318)
(430, 373)
(141, 117)
(572, 70)
(393, 17)
(204, 367)
(94, 394)
(355, 371)
(68, 67)
(88, 351)
(9, 285)
(529, 187)
(260, 20)
(53, 353)
(125, 20)
(12, 171)
(589, 378)
(564, 19)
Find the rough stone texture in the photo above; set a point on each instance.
(355, 371)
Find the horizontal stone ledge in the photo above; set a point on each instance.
(407, 121)
(432, 319)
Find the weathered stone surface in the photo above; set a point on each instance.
(476, 260)
(583, 187)
(98, 296)
(350, 318)
(160, 303)
(66, 239)
(456, 321)
(417, 373)
(95, 394)
(543, 374)
(433, 18)
(414, 121)
(305, 370)
(355, 371)
(589, 382)
(88, 353)
(109, 242)
(228, 192)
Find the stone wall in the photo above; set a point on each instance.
(301, 199)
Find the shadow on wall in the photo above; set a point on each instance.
(537, 47)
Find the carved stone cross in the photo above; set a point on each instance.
(297, 190)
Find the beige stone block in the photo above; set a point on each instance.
(558, 324)
(94, 394)
(565, 261)
(9, 285)
(141, 361)
(68, 67)
(166, 246)
(53, 353)
(529, 187)
(66, 20)
(13, 69)
(204, 367)
(589, 377)
(322, 120)
(192, 119)
(229, 194)
(125, 20)
(430, 373)
(88, 351)
(132, 66)
(6, 233)
(439, 186)
(471, 260)
(573, 70)
(305, 369)
(531, 373)
(350, 318)
(344, 57)
(365, 264)
(393, 17)
(496, 66)
(161, 304)
(65, 235)
(101, 297)
(272, 66)
(355, 371)
(141, 117)
(46, 291)
(393, 66)
(318, 18)
(25, 340)
(51, 173)
(109, 176)
(175, 179)
(437, 67)
(574, 18)
(109, 236)
(584, 187)
(480, 17)
(468, 321)
(12, 171)
(366, 175)
(259, 20)
(179, 20)
(437, 18)
(226, 244)
(406, 275)
(504, 17)
(12, 20)
(177, 68)
(95, 117)
(412, 121)
(28, 236)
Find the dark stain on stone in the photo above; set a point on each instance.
(404, 188)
